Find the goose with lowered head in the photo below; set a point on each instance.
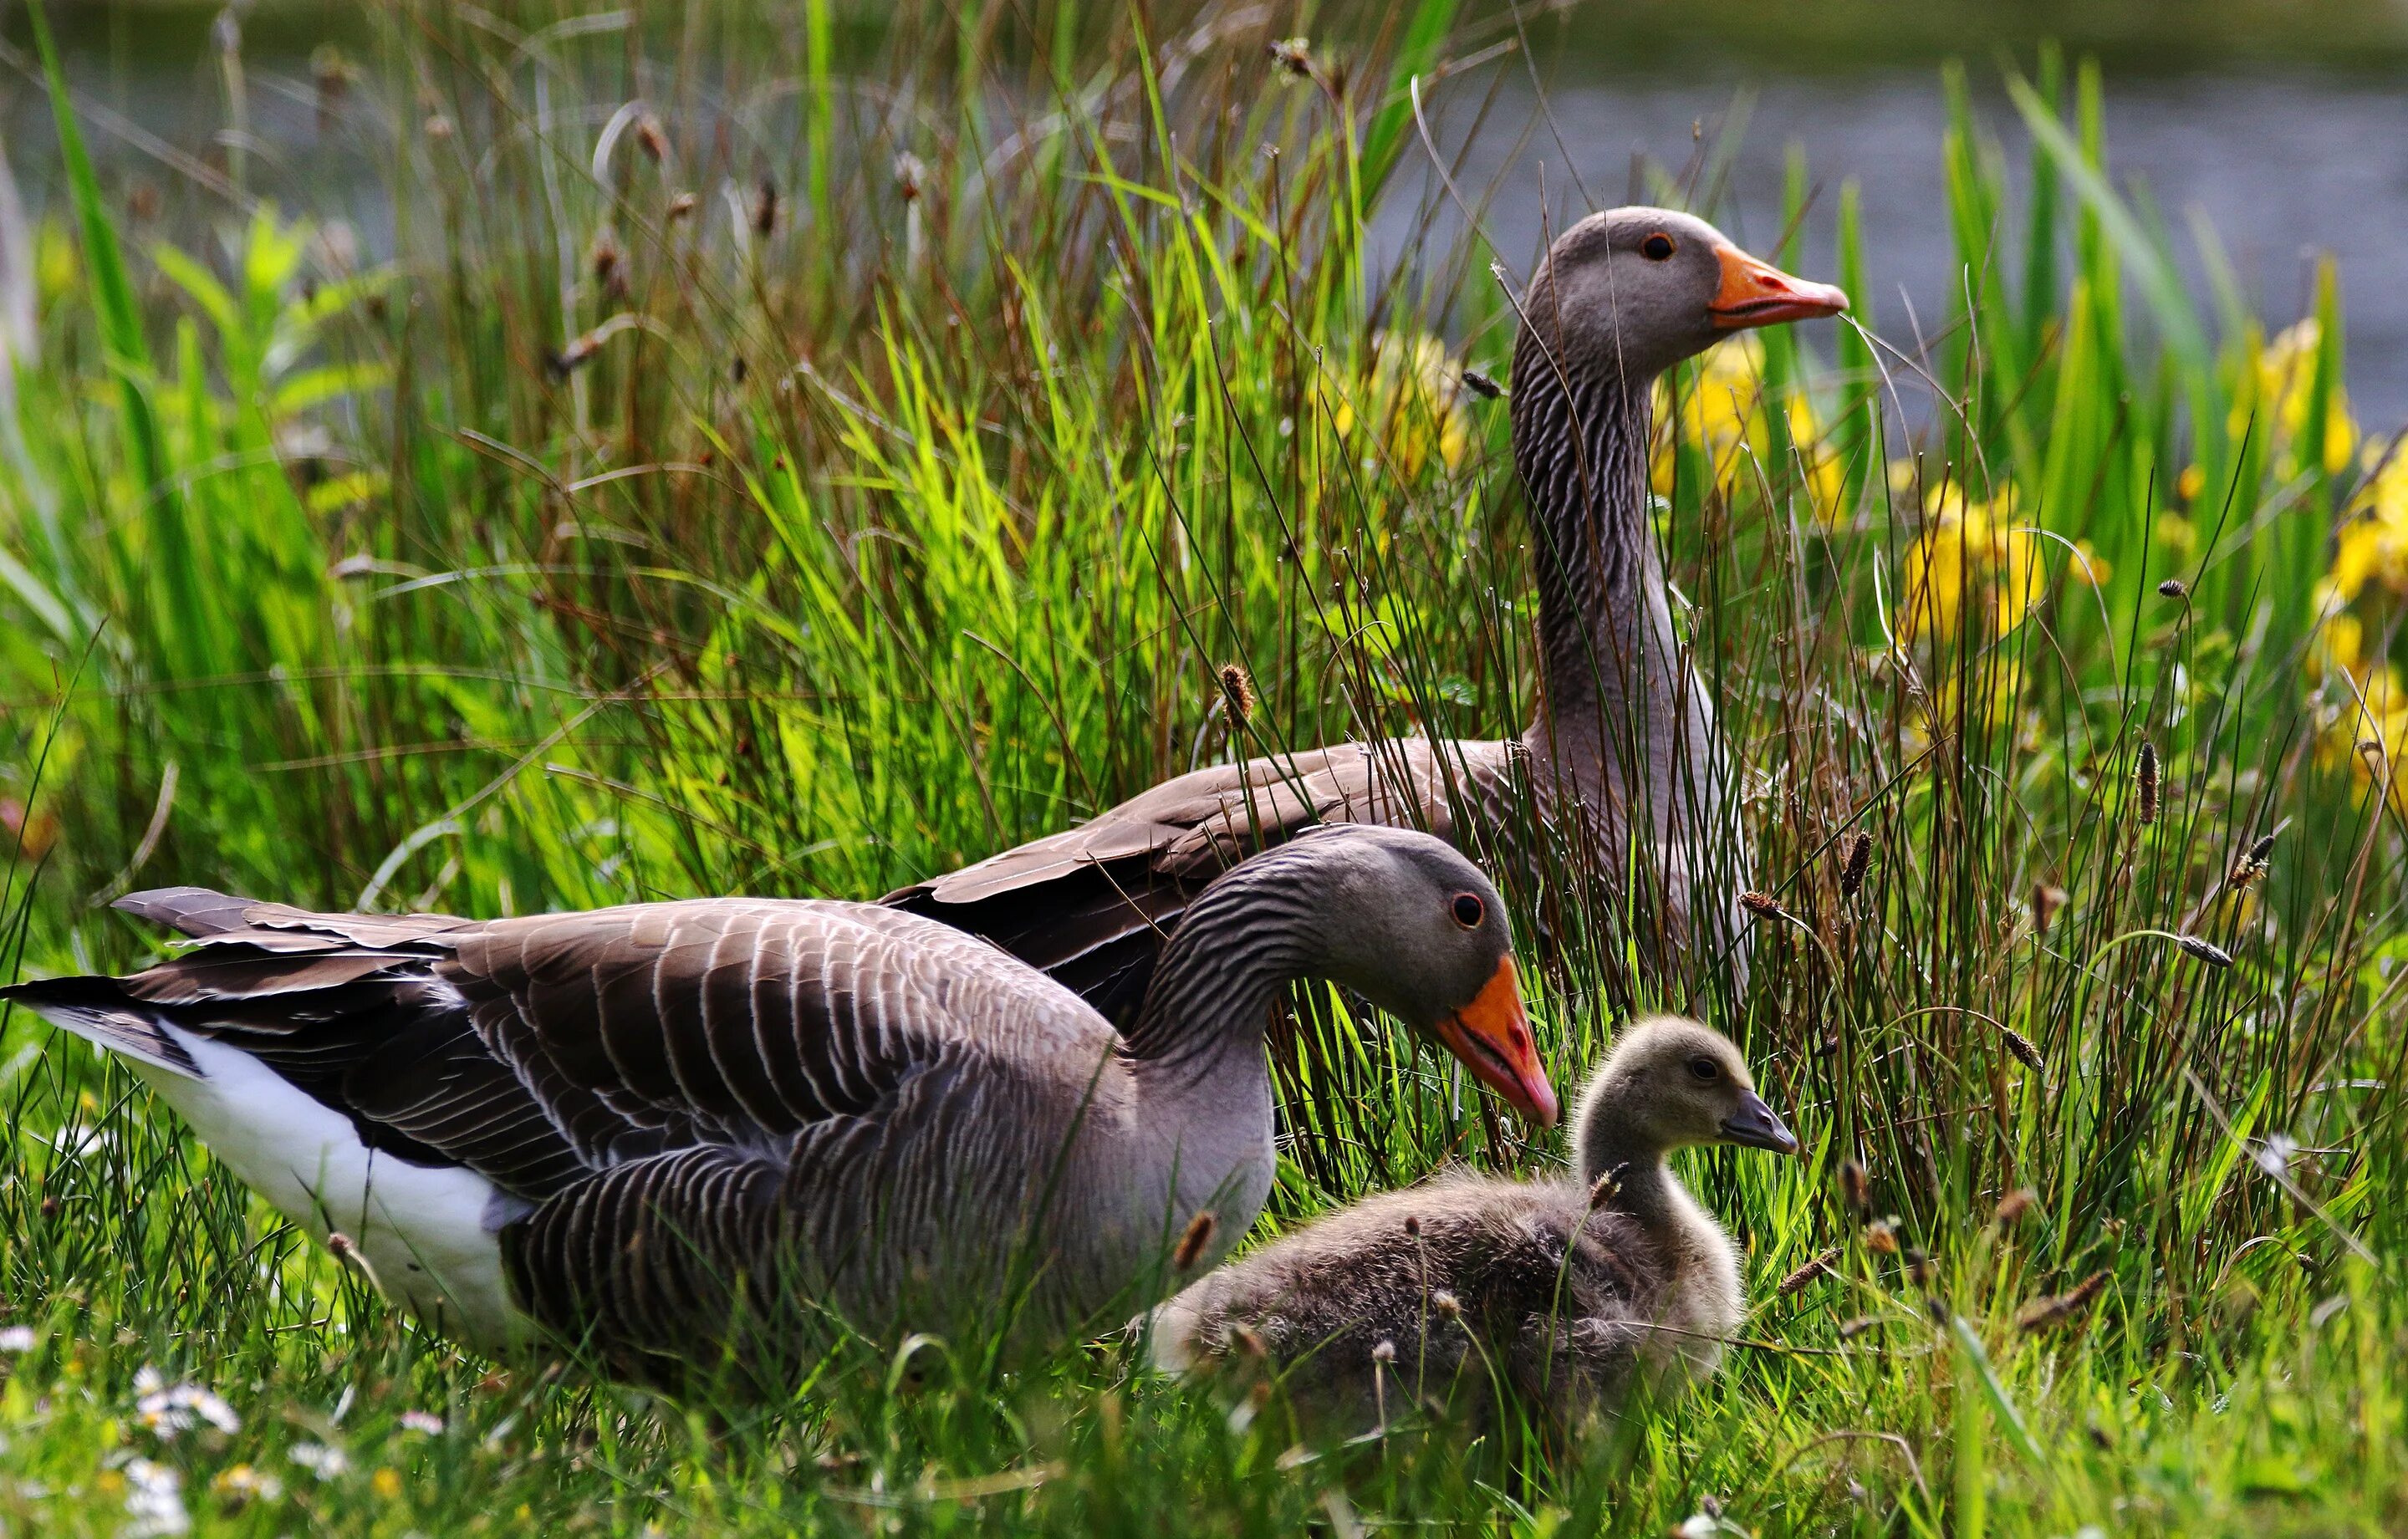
(1623, 751)
(677, 1131)
(1559, 1295)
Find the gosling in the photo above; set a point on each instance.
(1562, 1296)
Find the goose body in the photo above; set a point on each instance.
(678, 1130)
(1560, 1295)
(1623, 754)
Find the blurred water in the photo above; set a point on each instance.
(2282, 164)
(2283, 160)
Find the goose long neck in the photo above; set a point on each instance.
(1581, 431)
(1237, 946)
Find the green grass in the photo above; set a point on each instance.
(910, 511)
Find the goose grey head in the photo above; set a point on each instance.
(1414, 927)
(1633, 292)
(1670, 1084)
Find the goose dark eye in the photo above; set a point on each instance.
(1656, 247)
(1468, 910)
(1706, 1069)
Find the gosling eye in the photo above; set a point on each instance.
(1656, 247)
(1469, 910)
(1705, 1069)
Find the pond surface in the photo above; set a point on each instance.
(2284, 164)
(2284, 126)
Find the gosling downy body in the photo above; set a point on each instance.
(684, 1132)
(1560, 1295)
(1624, 753)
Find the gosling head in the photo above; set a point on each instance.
(1670, 1084)
(1415, 928)
(1633, 292)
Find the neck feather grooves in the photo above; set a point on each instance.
(1237, 946)
(1581, 429)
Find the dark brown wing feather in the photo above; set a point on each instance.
(1091, 906)
(728, 1020)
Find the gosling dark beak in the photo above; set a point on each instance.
(1492, 1036)
(1757, 1126)
(1757, 293)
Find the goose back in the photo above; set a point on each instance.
(627, 1110)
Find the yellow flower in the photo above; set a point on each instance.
(2286, 370)
(2088, 567)
(1723, 418)
(2370, 733)
(1969, 551)
(386, 1482)
(2373, 546)
(2338, 644)
(1415, 393)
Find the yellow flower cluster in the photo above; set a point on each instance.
(2283, 372)
(1724, 418)
(1412, 395)
(2368, 579)
(1970, 556)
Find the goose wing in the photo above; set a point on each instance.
(1091, 906)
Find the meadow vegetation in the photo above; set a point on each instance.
(797, 458)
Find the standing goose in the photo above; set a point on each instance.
(675, 1129)
(1625, 735)
(1559, 1293)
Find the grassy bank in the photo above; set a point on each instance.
(800, 461)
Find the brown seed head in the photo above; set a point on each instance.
(1192, 1244)
(1236, 695)
(1292, 54)
(1248, 1341)
(2148, 776)
(1920, 1267)
(2047, 899)
(2174, 588)
(575, 356)
(2251, 868)
(1605, 1189)
(1860, 859)
(1384, 1351)
(680, 205)
(1446, 1303)
(1881, 1236)
(1851, 1330)
(2014, 1206)
(1414, 1225)
(2045, 1312)
(1759, 903)
(2207, 951)
(765, 208)
(1481, 385)
(1856, 1187)
(1819, 1267)
(653, 139)
(2023, 1048)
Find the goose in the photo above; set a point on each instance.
(682, 1131)
(1625, 734)
(1561, 1293)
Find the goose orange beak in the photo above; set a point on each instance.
(1757, 293)
(1492, 1036)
